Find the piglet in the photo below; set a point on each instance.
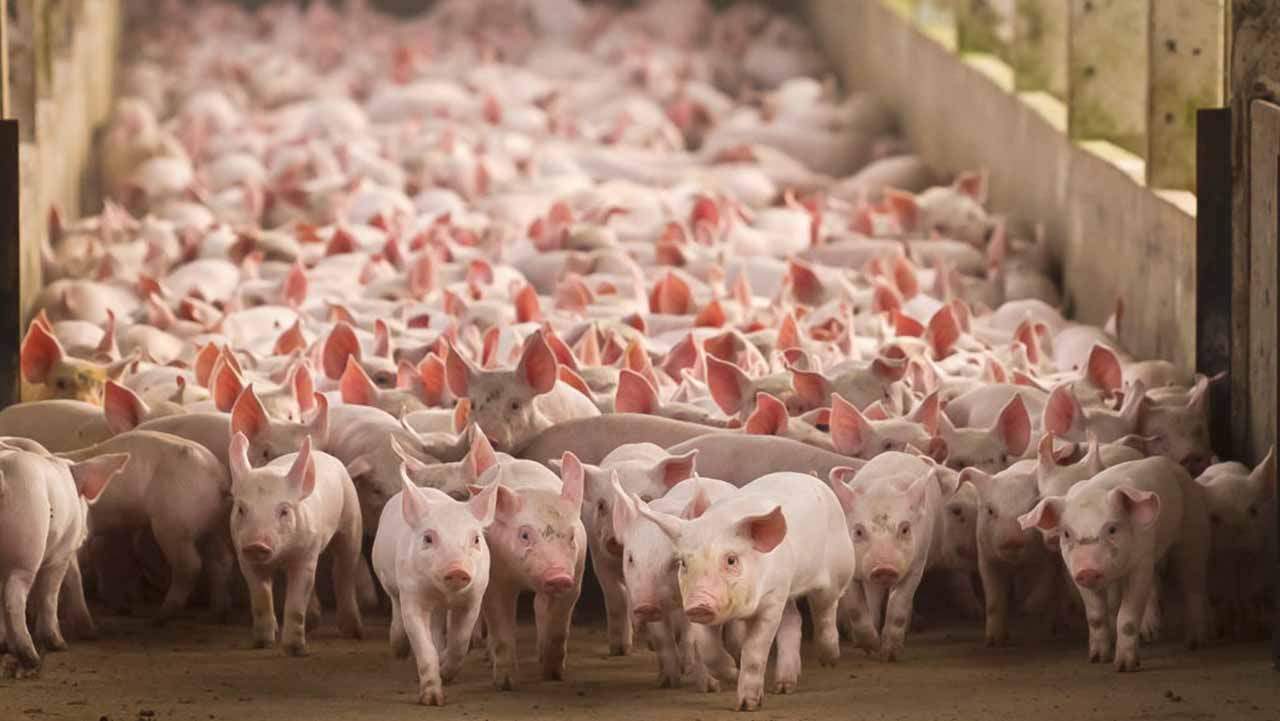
(433, 562)
(284, 515)
(1114, 529)
(750, 556)
(1242, 512)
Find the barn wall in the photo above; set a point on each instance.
(1112, 235)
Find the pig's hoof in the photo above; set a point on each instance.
(666, 680)
(401, 648)
(618, 648)
(351, 628)
(751, 701)
(297, 649)
(432, 696)
(450, 669)
(889, 653)
(502, 682)
(997, 639)
(83, 630)
(264, 641)
(553, 674)
(784, 686)
(1149, 632)
(1126, 662)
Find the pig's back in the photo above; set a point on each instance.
(739, 459)
(817, 540)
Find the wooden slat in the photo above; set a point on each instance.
(1107, 61)
(1039, 52)
(1185, 54)
(1264, 165)
(1213, 266)
(10, 280)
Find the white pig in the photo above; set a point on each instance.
(1242, 512)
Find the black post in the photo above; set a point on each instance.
(10, 274)
(1213, 269)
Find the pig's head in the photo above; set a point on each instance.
(502, 401)
(288, 401)
(268, 438)
(125, 410)
(264, 513)
(1180, 432)
(721, 556)
(1242, 506)
(646, 480)
(992, 449)
(536, 530)
(1003, 499)
(859, 437)
(1054, 477)
(954, 211)
(342, 345)
(1065, 417)
(1098, 532)
(861, 386)
(448, 551)
(53, 374)
(959, 527)
(886, 522)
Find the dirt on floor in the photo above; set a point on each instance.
(195, 671)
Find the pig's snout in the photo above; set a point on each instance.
(257, 552)
(1011, 547)
(457, 578)
(700, 609)
(556, 582)
(884, 575)
(1196, 464)
(647, 613)
(1088, 577)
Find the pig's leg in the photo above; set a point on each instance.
(1149, 631)
(261, 602)
(714, 664)
(400, 644)
(221, 563)
(77, 609)
(678, 624)
(45, 593)
(615, 603)
(315, 612)
(668, 658)
(823, 608)
(898, 615)
(500, 623)
(180, 551)
(963, 594)
(866, 635)
(16, 589)
(995, 589)
(735, 634)
(761, 630)
(366, 588)
(553, 615)
(786, 669)
(1096, 610)
(1133, 603)
(461, 622)
(875, 595)
(417, 625)
(346, 571)
(301, 583)
(1193, 567)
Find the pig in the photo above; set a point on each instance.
(512, 407)
(284, 515)
(43, 523)
(538, 543)
(433, 562)
(1242, 511)
(59, 425)
(1114, 529)
(650, 581)
(989, 449)
(739, 459)
(185, 518)
(1065, 417)
(889, 509)
(1180, 431)
(854, 435)
(591, 439)
(750, 556)
(49, 373)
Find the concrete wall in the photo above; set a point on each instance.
(1112, 236)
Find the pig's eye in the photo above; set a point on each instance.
(991, 511)
(904, 530)
(282, 512)
(1112, 530)
(515, 406)
(631, 560)
(957, 512)
(886, 446)
(1253, 511)
(526, 535)
(1066, 535)
(1004, 460)
(240, 511)
(475, 540)
(60, 384)
(858, 533)
(1213, 518)
(602, 506)
(731, 560)
(266, 454)
(428, 539)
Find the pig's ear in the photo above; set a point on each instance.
(926, 414)
(918, 491)
(697, 505)
(484, 505)
(670, 526)
(1047, 515)
(938, 449)
(294, 289)
(508, 502)
(528, 309)
(1093, 458)
(238, 455)
(431, 371)
(40, 352)
(537, 366)
(123, 408)
(948, 481)
(1013, 427)
(413, 504)
(1103, 369)
(205, 363)
(304, 387)
(481, 456)
(769, 418)
(904, 208)
(1263, 478)
(1199, 400)
(573, 477)
(301, 477)
(765, 531)
(728, 385)
(227, 387)
(1143, 507)
(340, 345)
(850, 432)
(972, 184)
(624, 507)
(943, 332)
(411, 462)
(812, 387)
(674, 469)
(356, 386)
(889, 370)
(92, 476)
(634, 394)
(1062, 412)
(839, 480)
(1135, 404)
(1046, 459)
(247, 414)
(981, 481)
(318, 426)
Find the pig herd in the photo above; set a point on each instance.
(458, 301)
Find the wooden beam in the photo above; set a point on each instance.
(1107, 60)
(1185, 55)
(978, 28)
(1213, 265)
(1039, 52)
(10, 264)
(1253, 71)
